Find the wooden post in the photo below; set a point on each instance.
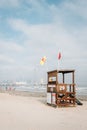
(63, 78)
(73, 81)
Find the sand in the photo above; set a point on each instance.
(32, 113)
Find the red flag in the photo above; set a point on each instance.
(59, 55)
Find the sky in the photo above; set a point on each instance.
(31, 29)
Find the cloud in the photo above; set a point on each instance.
(48, 34)
(9, 3)
(77, 6)
(10, 53)
(49, 39)
(55, 27)
(5, 59)
(10, 46)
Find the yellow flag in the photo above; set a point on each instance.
(43, 60)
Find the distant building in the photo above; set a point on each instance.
(21, 83)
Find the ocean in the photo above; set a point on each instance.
(80, 89)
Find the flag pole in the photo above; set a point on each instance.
(58, 65)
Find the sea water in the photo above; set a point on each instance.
(28, 88)
(80, 89)
(32, 88)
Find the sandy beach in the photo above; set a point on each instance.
(32, 113)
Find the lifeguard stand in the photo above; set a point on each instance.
(61, 93)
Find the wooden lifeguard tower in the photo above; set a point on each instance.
(61, 93)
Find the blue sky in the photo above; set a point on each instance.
(31, 29)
